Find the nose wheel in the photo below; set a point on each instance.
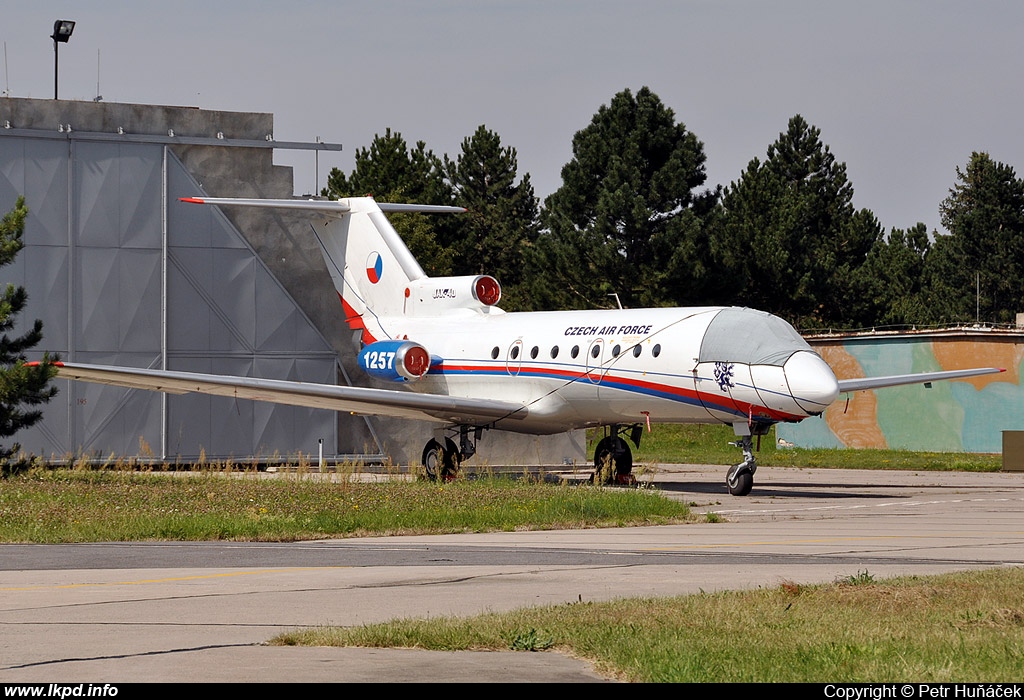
(740, 477)
(739, 482)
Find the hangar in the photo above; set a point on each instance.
(122, 273)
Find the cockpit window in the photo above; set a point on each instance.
(750, 337)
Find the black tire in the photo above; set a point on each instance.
(740, 484)
(433, 460)
(613, 461)
(441, 462)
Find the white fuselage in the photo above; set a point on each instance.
(574, 369)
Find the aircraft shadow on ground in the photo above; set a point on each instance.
(791, 490)
(805, 489)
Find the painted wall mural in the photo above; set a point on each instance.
(959, 416)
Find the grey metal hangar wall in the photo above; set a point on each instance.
(121, 272)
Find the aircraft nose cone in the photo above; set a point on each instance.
(811, 381)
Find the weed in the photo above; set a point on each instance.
(861, 578)
(530, 640)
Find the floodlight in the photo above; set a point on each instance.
(62, 29)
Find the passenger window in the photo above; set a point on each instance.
(494, 353)
(575, 351)
(616, 350)
(637, 350)
(656, 350)
(554, 352)
(515, 352)
(595, 351)
(533, 352)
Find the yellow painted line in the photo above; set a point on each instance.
(172, 579)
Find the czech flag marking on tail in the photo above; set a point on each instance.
(374, 267)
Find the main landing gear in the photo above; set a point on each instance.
(613, 460)
(442, 458)
(740, 477)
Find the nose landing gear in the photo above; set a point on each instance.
(740, 477)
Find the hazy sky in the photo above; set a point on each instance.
(903, 92)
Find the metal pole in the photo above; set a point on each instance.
(55, 58)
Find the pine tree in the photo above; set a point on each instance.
(502, 220)
(21, 386)
(627, 205)
(977, 270)
(790, 241)
(392, 172)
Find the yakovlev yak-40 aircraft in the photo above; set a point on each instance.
(467, 364)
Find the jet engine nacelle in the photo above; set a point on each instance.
(432, 295)
(395, 360)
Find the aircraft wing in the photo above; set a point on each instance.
(863, 383)
(358, 400)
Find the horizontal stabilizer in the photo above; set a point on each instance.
(327, 206)
(312, 205)
(861, 384)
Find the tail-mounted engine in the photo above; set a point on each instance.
(395, 360)
(433, 295)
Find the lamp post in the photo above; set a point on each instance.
(62, 29)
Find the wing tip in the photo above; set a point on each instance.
(191, 200)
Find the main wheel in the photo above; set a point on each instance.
(440, 462)
(613, 461)
(741, 483)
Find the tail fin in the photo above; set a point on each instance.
(370, 265)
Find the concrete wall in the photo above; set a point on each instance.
(952, 416)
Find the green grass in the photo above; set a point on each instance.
(97, 506)
(965, 627)
(709, 444)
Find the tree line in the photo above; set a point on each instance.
(635, 223)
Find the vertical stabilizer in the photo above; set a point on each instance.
(370, 265)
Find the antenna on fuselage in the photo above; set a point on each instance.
(616, 295)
